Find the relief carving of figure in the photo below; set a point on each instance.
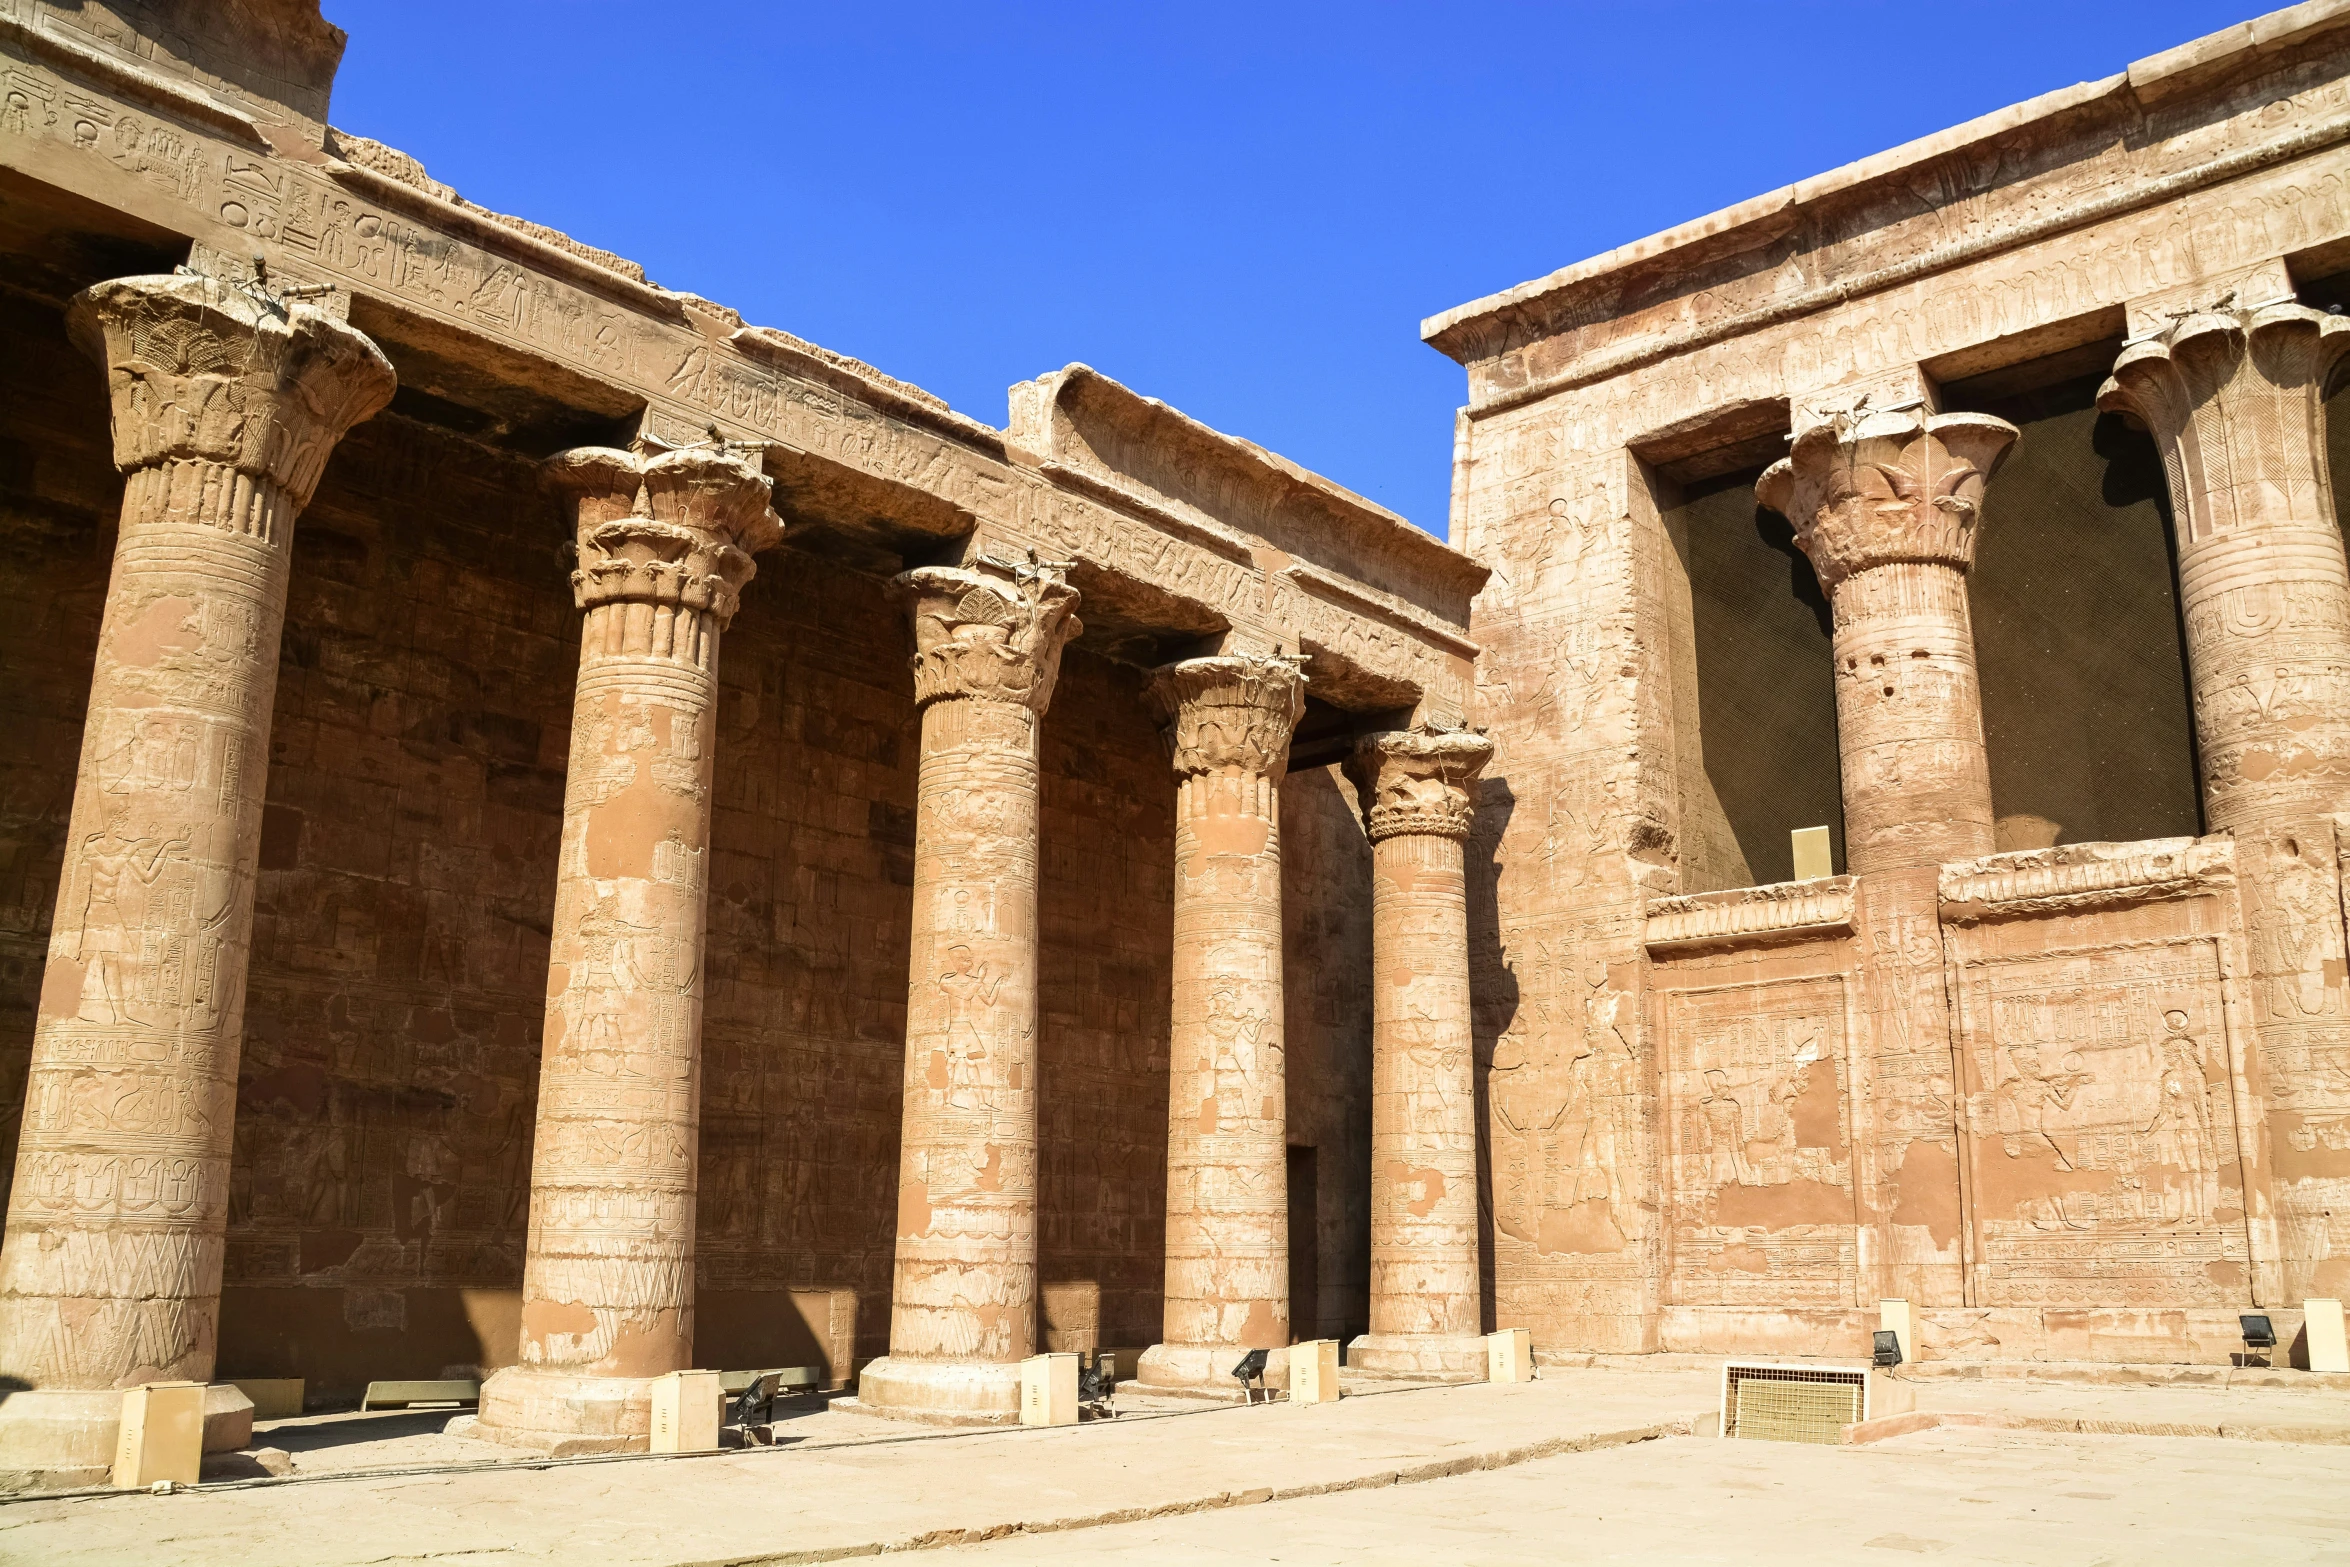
(2024, 1100)
(106, 931)
(1725, 1133)
(2182, 1123)
(969, 987)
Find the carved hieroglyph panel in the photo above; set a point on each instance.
(2101, 1138)
(1758, 1153)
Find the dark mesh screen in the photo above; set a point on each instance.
(1766, 692)
(2085, 697)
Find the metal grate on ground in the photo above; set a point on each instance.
(1791, 1403)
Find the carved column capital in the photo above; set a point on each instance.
(201, 371)
(675, 529)
(1867, 489)
(1419, 781)
(2235, 400)
(990, 633)
(1225, 714)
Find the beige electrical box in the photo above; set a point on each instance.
(1313, 1371)
(274, 1398)
(2321, 1323)
(1509, 1355)
(687, 1406)
(1048, 1390)
(1812, 859)
(162, 1436)
(1900, 1318)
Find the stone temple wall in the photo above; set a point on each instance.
(2044, 581)
(381, 1176)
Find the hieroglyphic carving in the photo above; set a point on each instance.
(665, 542)
(226, 403)
(1885, 504)
(2101, 1129)
(1227, 1278)
(987, 651)
(1419, 796)
(1578, 829)
(1758, 1152)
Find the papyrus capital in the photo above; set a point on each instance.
(1866, 489)
(678, 528)
(1419, 781)
(200, 370)
(993, 632)
(1230, 713)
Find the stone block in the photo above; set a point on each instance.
(1048, 1390)
(1313, 1371)
(1509, 1355)
(1813, 859)
(686, 1412)
(274, 1398)
(2322, 1324)
(162, 1435)
(1900, 1318)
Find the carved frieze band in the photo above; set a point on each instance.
(1419, 781)
(993, 633)
(1230, 713)
(1783, 911)
(2077, 876)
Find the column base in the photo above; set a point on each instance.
(53, 1439)
(1205, 1368)
(565, 1415)
(941, 1392)
(1418, 1357)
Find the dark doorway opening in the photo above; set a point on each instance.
(1305, 1250)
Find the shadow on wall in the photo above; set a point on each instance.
(2086, 711)
(1766, 688)
(1493, 1002)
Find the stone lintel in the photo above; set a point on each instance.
(1751, 916)
(2073, 877)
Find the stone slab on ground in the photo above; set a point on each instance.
(851, 1491)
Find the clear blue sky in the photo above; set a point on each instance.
(1242, 209)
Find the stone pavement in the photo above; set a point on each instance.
(1243, 1481)
(1941, 1497)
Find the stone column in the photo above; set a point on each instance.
(1885, 505)
(1418, 790)
(2235, 401)
(1227, 1287)
(226, 405)
(963, 1306)
(2234, 398)
(665, 544)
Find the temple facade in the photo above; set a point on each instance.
(1973, 502)
(551, 834)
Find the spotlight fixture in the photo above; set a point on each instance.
(1251, 1370)
(1887, 1348)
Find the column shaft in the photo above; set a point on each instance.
(226, 406)
(1885, 505)
(1227, 1278)
(964, 1298)
(1426, 1299)
(608, 1281)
